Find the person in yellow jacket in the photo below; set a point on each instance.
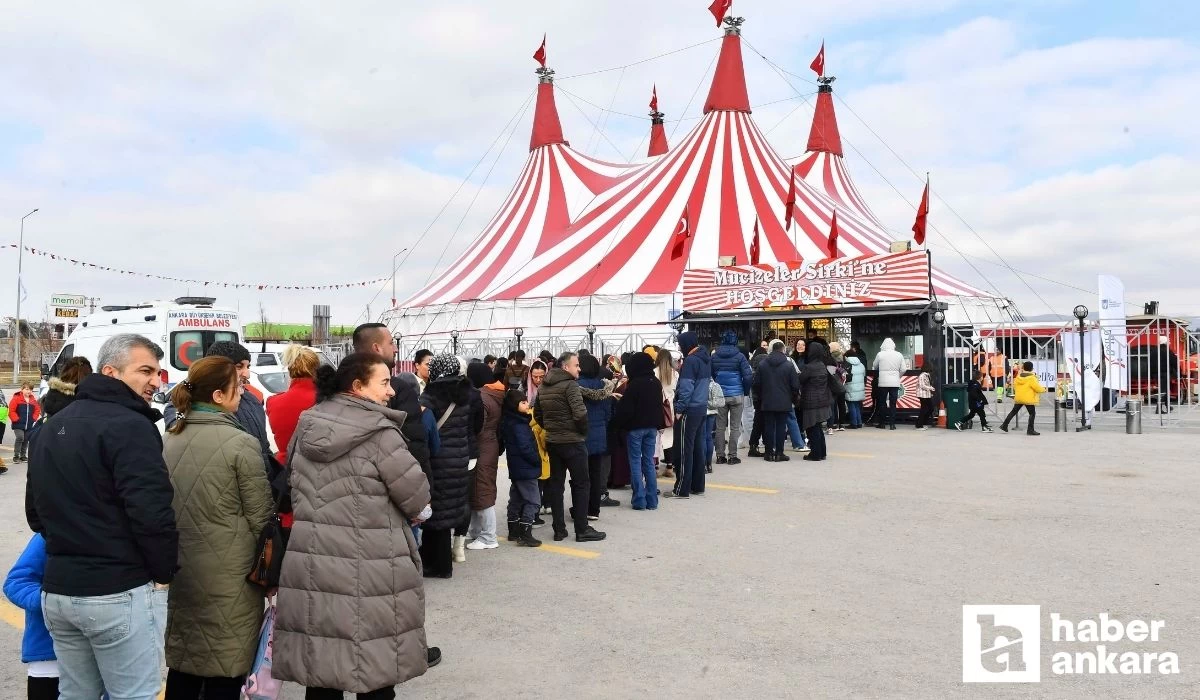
(1027, 392)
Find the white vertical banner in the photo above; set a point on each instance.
(1084, 364)
(1112, 331)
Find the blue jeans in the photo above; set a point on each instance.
(642, 478)
(855, 412)
(793, 428)
(691, 474)
(108, 642)
(775, 430)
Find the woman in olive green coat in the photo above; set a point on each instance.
(222, 502)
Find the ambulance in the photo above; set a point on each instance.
(183, 328)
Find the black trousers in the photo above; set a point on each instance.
(1017, 409)
(816, 441)
(598, 468)
(436, 557)
(979, 411)
(40, 688)
(185, 686)
(926, 415)
(756, 430)
(569, 458)
(331, 694)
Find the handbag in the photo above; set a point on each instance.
(260, 685)
(668, 414)
(268, 554)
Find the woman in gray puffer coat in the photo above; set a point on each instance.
(351, 597)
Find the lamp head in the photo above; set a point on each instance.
(518, 332)
(454, 333)
(1081, 312)
(591, 328)
(939, 317)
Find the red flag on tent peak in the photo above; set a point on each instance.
(754, 248)
(654, 99)
(791, 200)
(720, 8)
(540, 54)
(818, 64)
(833, 236)
(922, 214)
(683, 231)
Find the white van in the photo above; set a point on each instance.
(183, 328)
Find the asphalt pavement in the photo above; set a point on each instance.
(839, 579)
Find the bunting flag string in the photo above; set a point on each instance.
(207, 283)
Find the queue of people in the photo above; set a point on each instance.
(144, 546)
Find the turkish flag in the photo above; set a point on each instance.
(818, 64)
(540, 54)
(833, 236)
(654, 99)
(683, 231)
(791, 200)
(720, 8)
(922, 214)
(754, 244)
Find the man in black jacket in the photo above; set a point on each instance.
(99, 493)
(560, 410)
(776, 383)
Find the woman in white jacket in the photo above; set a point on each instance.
(891, 367)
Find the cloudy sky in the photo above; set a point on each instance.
(308, 142)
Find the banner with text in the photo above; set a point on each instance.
(867, 278)
(1112, 333)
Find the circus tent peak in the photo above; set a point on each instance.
(547, 129)
(658, 134)
(824, 136)
(728, 89)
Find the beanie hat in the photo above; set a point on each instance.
(444, 365)
(227, 348)
(729, 338)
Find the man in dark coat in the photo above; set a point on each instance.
(731, 370)
(100, 495)
(560, 410)
(776, 383)
(756, 428)
(691, 407)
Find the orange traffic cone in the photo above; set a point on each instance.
(942, 415)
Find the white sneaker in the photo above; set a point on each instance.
(480, 544)
(923, 428)
(806, 448)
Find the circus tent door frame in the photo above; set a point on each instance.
(910, 325)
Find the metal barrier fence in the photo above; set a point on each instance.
(1155, 360)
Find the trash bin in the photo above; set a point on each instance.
(954, 398)
(1133, 417)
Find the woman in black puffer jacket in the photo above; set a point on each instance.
(448, 487)
(818, 388)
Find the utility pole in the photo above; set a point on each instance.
(20, 290)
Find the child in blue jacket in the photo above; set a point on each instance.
(524, 468)
(23, 587)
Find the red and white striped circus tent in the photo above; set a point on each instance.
(581, 243)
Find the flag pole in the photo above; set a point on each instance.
(926, 243)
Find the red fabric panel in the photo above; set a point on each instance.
(824, 136)
(546, 127)
(728, 91)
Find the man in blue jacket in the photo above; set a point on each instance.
(691, 407)
(731, 370)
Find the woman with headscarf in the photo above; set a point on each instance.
(667, 376)
(448, 397)
(490, 383)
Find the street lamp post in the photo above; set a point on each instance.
(591, 331)
(396, 341)
(1081, 313)
(939, 318)
(518, 332)
(454, 340)
(20, 266)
